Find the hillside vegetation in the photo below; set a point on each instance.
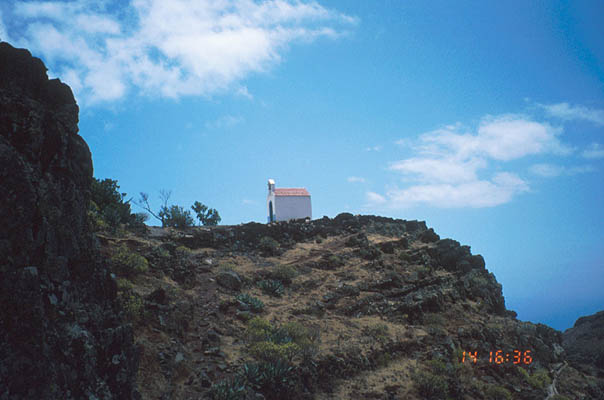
(356, 307)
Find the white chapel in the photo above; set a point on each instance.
(287, 203)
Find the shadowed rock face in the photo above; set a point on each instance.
(61, 335)
(584, 342)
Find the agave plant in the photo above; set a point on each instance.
(232, 389)
(271, 287)
(252, 375)
(253, 303)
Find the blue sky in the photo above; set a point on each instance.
(485, 119)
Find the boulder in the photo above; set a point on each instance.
(229, 280)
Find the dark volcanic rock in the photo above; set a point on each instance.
(229, 280)
(61, 335)
(584, 342)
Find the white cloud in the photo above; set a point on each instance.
(501, 138)
(595, 150)
(546, 170)
(169, 48)
(569, 112)
(355, 179)
(477, 193)
(375, 199)
(439, 170)
(451, 163)
(551, 170)
(243, 92)
(373, 148)
(226, 121)
(249, 202)
(510, 137)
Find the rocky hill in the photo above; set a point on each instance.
(584, 343)
(61, 334)
(355, 307)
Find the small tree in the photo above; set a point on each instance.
(205, 215)
(176, 216)
(143, 203)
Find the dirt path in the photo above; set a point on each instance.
(551, 389)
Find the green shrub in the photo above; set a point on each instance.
(560, 397)
(137, 223)
(258, 329)
(253, 303)
(538, 380)
(378, 331)
(96, 219)
(494, 392)
(270, 351)
(331, 261)
(133, 305)
(431, 386)
(269, 246)
(108, 211)
(124, 284)
(182, 252)
(226, 267)
(283, 273)
(176, 217)
(359, 240)
(128, 263)
(268, 342)
(161, 252)
(271, 287)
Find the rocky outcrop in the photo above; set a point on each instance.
(584, 342)
(61, 336)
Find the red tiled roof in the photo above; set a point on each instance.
(291, 192)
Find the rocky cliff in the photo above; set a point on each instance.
(584, 342)
(61, 336)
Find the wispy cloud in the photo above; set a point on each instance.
(248, 202)
(3, 34)
(225, 121)
(595, 150)
(168, 48)
(475, 193)
(451, 165)
(375, 199)
(569, 112)
(373, 148)
(551, 170)
(355, 179)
